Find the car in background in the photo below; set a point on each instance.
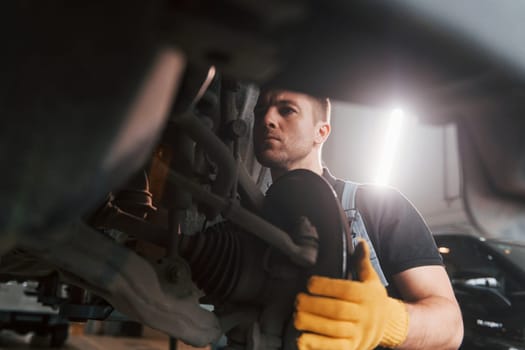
(488, 277)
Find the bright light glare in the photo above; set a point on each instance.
(390, 147)
(444, 250)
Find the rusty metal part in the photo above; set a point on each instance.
(135, 197)
(111, 216)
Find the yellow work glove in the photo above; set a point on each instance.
(348, 315)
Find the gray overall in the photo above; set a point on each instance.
(357, 227)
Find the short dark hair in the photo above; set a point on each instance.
(322, 105)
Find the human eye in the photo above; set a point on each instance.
(286, 111)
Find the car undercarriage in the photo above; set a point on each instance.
(129, 173)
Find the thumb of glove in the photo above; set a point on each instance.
(361, 262)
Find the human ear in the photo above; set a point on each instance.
(322, 132)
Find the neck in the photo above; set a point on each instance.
(309, 163)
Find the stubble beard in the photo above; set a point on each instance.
(279, 159)
(270, 159)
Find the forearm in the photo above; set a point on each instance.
(358, 314)
(434, 323)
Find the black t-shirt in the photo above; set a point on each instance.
(397, 231)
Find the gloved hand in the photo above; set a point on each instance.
(347, 315)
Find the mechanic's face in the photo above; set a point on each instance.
(285, 131)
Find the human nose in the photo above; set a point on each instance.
(270, 118)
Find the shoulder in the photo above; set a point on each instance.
(381, 199)
(397, 230)
(388, 211)
(376, 203)
(403, 237)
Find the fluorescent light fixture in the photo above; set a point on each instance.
(390, 146)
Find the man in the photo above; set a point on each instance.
(420, 310)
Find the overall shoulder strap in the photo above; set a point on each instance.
(357, 225)
(348, 195)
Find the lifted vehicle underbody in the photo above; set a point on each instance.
(128, 167)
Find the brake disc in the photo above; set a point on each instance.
(297, 194)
